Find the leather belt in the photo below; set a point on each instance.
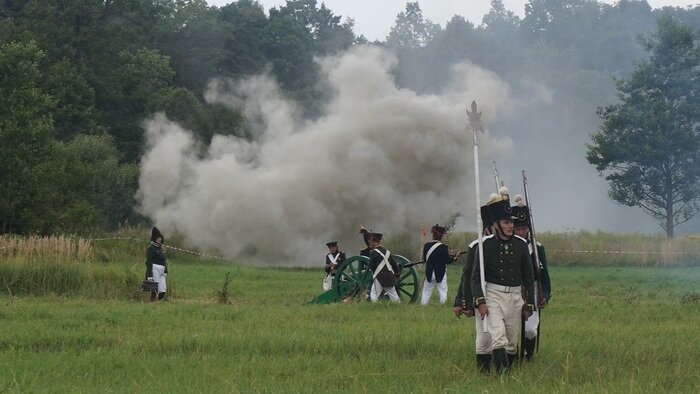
(503, 289)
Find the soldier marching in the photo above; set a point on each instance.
(543, 287)
(508, 278)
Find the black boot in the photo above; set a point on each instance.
(161, 296)
(500, 360)
(512, 358)
(483, 363)
(529, 348)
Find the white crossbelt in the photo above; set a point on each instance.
(333, 259)
(384, 263)
(503, 289)
(431, 250)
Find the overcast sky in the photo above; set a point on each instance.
(374, 18)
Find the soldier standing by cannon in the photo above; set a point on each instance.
(507, 276)
(385, 270)
(334, 258)
(366, 236)
(436, 256)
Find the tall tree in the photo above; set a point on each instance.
(132, 89)
(26, 127)
(500, 18)
(193, 36)
(411, 30)
(648, 147)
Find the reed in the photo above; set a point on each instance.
(610, 249)
(586, 248)
(60, 265)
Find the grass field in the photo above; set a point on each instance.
(616, 330)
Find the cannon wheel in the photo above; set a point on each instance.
(352, 279)
(408, 284)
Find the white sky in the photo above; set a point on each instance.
(374, 18)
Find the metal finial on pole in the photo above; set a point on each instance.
(475, 124)
(495, 175)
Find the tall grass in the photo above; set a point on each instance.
(594, 248)
(113, 266)
(60, 265)
(42, 265)
(608, 249)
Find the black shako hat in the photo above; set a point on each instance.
(376, 237)
(366, 235)
(499, 208)
(438, 230)
(521, 211)
(155, 233)
(332, 244)
(485, 217)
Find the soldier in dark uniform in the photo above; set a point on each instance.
(385, 270)
(156, 266)
(436, 256)
(463, 304)
(508, 276)
(543, 286)
(333, 259)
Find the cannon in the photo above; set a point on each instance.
(353, 280)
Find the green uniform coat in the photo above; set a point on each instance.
(506, 263)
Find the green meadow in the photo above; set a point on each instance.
(608, 329)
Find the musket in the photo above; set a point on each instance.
(475, 123)
(533, 237)
(453, 256)
(538, 272)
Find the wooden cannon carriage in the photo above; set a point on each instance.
(353, 280)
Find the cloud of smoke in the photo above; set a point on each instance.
(380, 156)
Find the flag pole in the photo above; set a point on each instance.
(475, 124)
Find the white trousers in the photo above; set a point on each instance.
(532, 322)
(377, 289)
(159, 276)
(327, 282)
(483, 339)
(504, 318)
(428, 289)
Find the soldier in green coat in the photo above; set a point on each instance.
(508, 276)
(463, 304)
(543, 287)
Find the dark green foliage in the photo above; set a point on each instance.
(218, 119)
(79, 77)
(84, 75)
(648, 147)
(26, 127)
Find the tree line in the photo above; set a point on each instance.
(78, 77)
